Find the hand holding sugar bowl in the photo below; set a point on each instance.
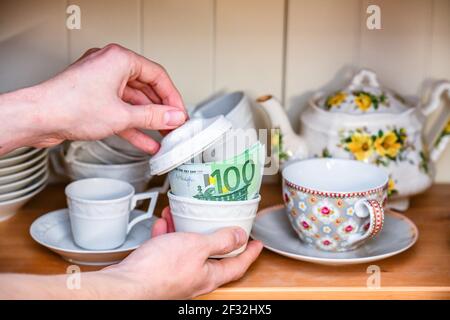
(207, 196)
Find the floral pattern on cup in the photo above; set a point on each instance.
(328, 220)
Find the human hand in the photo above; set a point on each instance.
(107, 91)
(176, 265)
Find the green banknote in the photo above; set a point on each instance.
(235, 179)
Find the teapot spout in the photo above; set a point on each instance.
(290, 145)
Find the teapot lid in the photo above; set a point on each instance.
(364, 95)
(188, 141)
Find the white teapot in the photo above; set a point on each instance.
(369, 123)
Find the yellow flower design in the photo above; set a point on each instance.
(391, 185)
(388, 145)
(336, 99)
(360, 145)
(363, 101)
(447, 127)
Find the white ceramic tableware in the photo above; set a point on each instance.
(98, 152)
(11, 161)
(203, 209)
(35, 184)
(52, 230)
(125, 147)
(10, 207)
(199, 216)
(15, 152)
(20, 184)
(272, 228)
(24, 165)
(236, 108)
(127, 172)
(187, 142)
(335, 204)
(23, 174)
(99, 211)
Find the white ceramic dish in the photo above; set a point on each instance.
(25, 165)
(126, 172)
(236, 108)
(17, 185)
(11, 161)
(204, 209)
(125, 147)
(99, 211)
(23, 174)
(98, 152)
(10, 208)
(15, 152)
(207, 226)
(204, 217)
(17, 194)
(52, 230)
(272, 227)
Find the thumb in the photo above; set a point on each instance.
(156, 117)
(226, 240)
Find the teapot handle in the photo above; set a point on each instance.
(437, 138)
(364, 76)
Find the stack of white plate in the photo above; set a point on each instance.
(23, 174)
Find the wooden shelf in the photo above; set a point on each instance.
(421, 272)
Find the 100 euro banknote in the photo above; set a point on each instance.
(235, 179)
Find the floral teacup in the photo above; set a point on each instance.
(333, 204)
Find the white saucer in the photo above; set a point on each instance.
(52, 230)
(273, 228)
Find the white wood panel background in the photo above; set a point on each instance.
(289, 48)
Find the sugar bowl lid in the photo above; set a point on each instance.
(364, 95)
(188, 141)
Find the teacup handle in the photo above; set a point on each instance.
(153, 196)
(374, 209)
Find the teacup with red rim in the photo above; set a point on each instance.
(335, 204)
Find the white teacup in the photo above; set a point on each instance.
(201, 216)
(99, 211)
(236, 108)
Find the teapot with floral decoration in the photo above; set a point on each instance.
(370, 123)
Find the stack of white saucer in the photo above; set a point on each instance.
(23, 174)
(109, 158)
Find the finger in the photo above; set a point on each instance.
(156, 117)
(140, 140)
(226, 240)
(159, 228)
(167, 215)
(153, 74)
(231, 269)
(134, 96)
(146, 89)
